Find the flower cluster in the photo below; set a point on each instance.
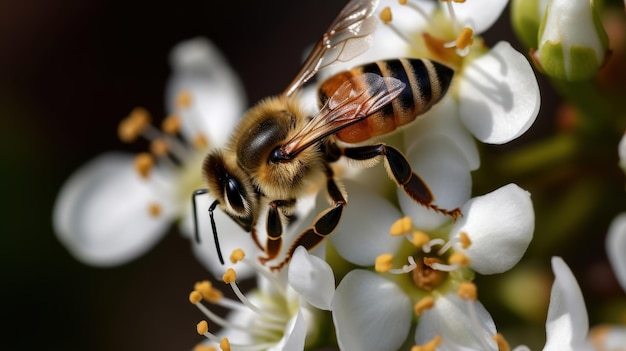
(394, 274)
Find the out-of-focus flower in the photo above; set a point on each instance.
(117, 206)
(572, 43)
(616, 248)
(281, 313)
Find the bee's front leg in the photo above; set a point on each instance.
(276, 215)
(324, 224)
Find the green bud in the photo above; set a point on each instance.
(572, 42)
(526, 17)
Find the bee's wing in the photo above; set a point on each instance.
(356, 99)
(348, 36)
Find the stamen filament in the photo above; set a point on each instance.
(447, 246)
(417, 9)
(250, 305)
(406, 268)
(428, 247)
(444, 267)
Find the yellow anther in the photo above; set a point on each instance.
(385, 15)
(502, 344)
(465, 240)
(429, 261)
(401, 226)
(203, 347)
(200, 142)
(202, 327)
(214, 296)
(383, 263)
(424, 304)
(159, 147)
(154, 209)
(465, 38)
(230, 276)
(467, 291)
(195, 297)
(237, 255)
(402, 2)
(132, 126)
(225, 344)
(460, 259)
(429, 346)
(204, 287)
(183, 99)
(419, 238)
(171, 125)
(144, 162)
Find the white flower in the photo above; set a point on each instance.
(281, 313)
(491, 237)
(117, 206)
(616, 248)
(472, 328)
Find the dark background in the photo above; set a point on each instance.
(69, 71)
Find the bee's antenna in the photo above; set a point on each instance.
(217, 242)
(195, 214)
(195, 222)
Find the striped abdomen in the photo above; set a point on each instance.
(426, 83)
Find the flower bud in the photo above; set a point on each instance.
(525, 18)
(572, 42)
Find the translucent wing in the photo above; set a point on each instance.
(348, 36)
(356, 99)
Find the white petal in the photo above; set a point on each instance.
(102, 211)
(458, 322)
(443, 167)
(567, 323)
(218, 98)
(295, 334)
(312, 278)
(363, 232)
(621, 152)
(616, 248)
(444, 118)
(499, 95)
(500, 225)
(370, 313)
(478, 16)
(230, 236)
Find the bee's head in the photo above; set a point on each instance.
(231, 187)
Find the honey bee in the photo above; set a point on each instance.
(278, 148)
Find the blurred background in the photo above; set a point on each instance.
(70, 70)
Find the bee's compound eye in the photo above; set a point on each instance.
(234, 195)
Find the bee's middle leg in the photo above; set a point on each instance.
(323, 225)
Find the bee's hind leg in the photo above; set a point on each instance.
(323, 225)
(400, 170)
